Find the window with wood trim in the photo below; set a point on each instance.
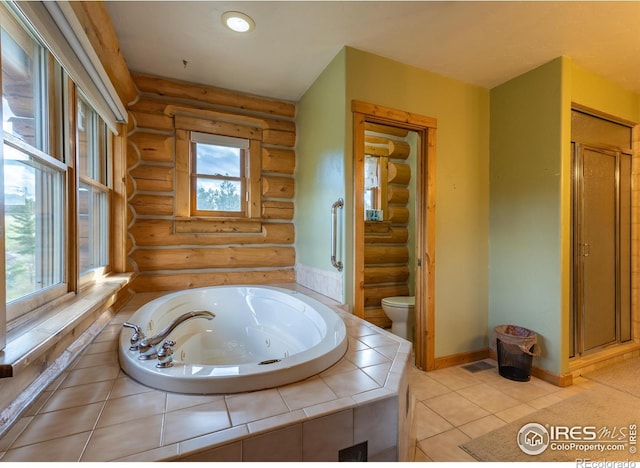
(218, 176)
(217, 172)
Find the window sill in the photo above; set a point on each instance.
(25, 347)
(34, 358)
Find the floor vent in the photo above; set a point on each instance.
(478, 366)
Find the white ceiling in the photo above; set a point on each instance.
(483, 43)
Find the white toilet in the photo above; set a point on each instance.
(399, 309)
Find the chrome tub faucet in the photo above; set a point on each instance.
(148, 346)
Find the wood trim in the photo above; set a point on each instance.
(410, 120)
(97, 24)
(254, 172)
(119, 202)
(358, 213)
(461, 358)
(182, 158)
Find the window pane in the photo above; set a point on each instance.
(23, 100)
(218, 195)
(34, 219)
(92, 151)
(217, 160)
(93, 222)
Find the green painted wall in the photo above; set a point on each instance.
(462, 185)
(525, 217)
(320, 172)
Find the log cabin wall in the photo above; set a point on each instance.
(387, 254)
(167, 253)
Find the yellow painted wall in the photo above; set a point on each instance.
(462, 185)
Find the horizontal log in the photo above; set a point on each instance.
(380, 151)
(399, 173)
(399, 149)
(211, 95)
(398, 214)
(385, 274)
(143, 120)
(217, 226)
(278, 187)
(152, 147)
(397, 195)
(278, 138)
(385, 129)
(217, 127)
(373, 295)
(378, 228)
(152, 204)
(151, 178)
(216, 257)
(278, 160)
(277, 210)
(159, 232)
(376, 316)
(155, 282)
(376, 255)
(394, 235)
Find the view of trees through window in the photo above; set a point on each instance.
(223, 198)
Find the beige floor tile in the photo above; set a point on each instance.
(444, 447)
(428, 422)
(130, 437)
(455, 408)
(454, 378)
(482, 426)
(125, 386)
(488, 397)
(350, 383)
(90, 375)
(252, 406)
(421, 457)
(424, 387)
(63, 449)
(55, 424)
(77, 396)
(516, 412)
(306, 393)
(132, 407)
(195, 421)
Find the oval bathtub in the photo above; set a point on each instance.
(261, 337)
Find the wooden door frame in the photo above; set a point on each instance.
(424, 336)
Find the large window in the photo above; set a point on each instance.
(34, 181)
(47, 247)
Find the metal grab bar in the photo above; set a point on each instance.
(334, 233)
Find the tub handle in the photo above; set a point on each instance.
(334, 233)
(137, 336)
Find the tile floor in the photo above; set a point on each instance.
(454, 405)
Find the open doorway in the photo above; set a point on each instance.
(406, 135)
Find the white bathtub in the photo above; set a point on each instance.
(261, 337)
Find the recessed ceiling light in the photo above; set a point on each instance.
(237, 21)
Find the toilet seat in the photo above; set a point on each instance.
(399, 301)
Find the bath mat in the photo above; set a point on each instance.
(623, 376)
(601, 407)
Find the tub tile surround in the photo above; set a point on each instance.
(94, 412)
